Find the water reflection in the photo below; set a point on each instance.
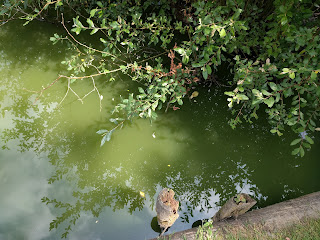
(93, 192)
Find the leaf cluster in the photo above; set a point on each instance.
(272, 49)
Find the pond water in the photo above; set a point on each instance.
(49, 150)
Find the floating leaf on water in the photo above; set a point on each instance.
(194, 94)
(142, 194)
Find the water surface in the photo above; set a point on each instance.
(49, 150)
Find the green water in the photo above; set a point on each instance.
(51, 150)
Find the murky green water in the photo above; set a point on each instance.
(51, 150)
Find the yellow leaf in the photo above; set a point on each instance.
(194, 94)
(142, 194)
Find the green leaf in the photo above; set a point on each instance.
(292, 75)
(114, 25)
(231, 94)
(94, 31)
(3, 11)
(205, 74)
(282, 9)
(154, 105)
(103, 40)
(181, 51)
(242, 97)
(256, 92)
(265, 92)
(295, 151)
(309, 139)
(273, 86)
(207, 31)
(185, 59)
(222, 33)
(209, 70)
(113, 120)
(106, 137)
(93, 12)
(288, 92)
(306, 145)
(318, 91)
(89, 21)
(313, 75)
(77, 30)
(199, 64)
(141, 90)
(77, 22)
(101, 131)
(285, 70)
(269, 101)
(296, 141)
(301, 152)
(284, 20)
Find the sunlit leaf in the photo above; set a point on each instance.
(89, 21)
(269, 101)
(273, 86)
(292, 75)
(94, 31)
(222, 33)
(181, 51)
(142, 194)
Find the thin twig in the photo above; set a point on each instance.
(81, 44)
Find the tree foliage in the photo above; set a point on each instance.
(271, 49)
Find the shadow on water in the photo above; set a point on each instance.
(265, 159)
(193, 151)
(31, 45)
(210, 164)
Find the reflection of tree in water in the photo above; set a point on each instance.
(199, 171)
(101, 184)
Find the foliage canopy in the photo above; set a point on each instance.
(271, 49)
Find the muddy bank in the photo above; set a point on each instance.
(271, 218)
